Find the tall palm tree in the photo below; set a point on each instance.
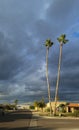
(16, 102)
(62, 40)
(48, 44)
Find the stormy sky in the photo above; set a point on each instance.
(24, 27)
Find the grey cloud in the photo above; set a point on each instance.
(60, 10)
(24, 27)
(10, 61)
(61, 14)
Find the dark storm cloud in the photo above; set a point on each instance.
(6, 59)
(63, 15)
(60, 9)
(24, 27)
(11, 59)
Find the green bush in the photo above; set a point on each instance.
(48, 110)
(32, 107)
(76, 113)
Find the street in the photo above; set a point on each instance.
(17, 120)
(58, 124)
(54, 123)
(26, 120)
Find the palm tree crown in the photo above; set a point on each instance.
(48, 43)
(62, 39)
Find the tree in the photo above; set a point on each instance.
(36, 104)
(32, 107)
(62, 40)
(61, 108)
(15, 103)
(48, 44)
(42, 104)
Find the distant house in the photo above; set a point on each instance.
(72, 107)
(69, 107)
(23, 106)
(53, 104)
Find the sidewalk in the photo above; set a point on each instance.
(48, 117)
(54, 117)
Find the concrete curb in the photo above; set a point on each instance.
(73, 118)
(57, 117)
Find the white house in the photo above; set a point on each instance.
(22, 106)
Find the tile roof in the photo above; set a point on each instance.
(73, 105)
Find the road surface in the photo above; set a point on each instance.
(17, 120)
(58, 124)
(24, 120)
(54, 123)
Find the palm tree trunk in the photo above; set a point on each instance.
(58, 78)
(48, 79)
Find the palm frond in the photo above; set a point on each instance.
(48, 43)
(62, 39)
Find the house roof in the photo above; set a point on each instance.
(73, 105)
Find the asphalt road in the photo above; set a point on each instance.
(24, 120)
(54, 123)
(58, 124)
(18, 120)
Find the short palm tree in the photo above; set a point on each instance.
(62, 40)
(15, 102)
(48, 44)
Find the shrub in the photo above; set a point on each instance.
(76, 113)
(48, 110)
(32, 107)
